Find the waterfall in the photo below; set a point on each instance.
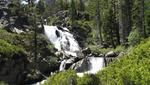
(62, 40)
(95, 65)
(65, 42)
(62, 65)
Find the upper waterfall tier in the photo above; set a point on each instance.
(63, 40)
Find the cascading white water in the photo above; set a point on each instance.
(62, 65)
(65, 43)
(95, 65)
(62, 40)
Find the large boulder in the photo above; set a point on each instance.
(86, 51)
(81, 65)
(111, 54)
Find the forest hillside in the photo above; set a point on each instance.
(74, 42)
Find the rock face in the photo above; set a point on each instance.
(111, 54)
(12, 23)
(86, 51)
(81, 65)
(13, 71)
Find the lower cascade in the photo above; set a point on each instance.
(95, 64)
(62, 65)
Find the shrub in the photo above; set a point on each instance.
(97, 49)
(3, 83)
(132, 69)
(134, 38)
(7, 48)
(63, 78)
(69, 77)
(88, 79)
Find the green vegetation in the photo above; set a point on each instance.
(63, 78)
(97, 49)
(118, 24)
(69, 77)
(131, 69)
(3, 83)
(88, 79)
(134, 38)
(7, 48)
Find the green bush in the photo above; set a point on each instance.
(134, 38)
(132, 69)
(3, 83)
(63, 78)
(106, 50)
(7, 48)
(69, 77)
(88, 79)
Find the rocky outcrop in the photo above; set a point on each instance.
(86, 51)
(13, 70)
(111, 54)
(81, 65)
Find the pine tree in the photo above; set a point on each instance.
(41, 7)
(61, 3)
(98, 23)
(73, 12)
(138, 17)
(124, 19)
(81, 6)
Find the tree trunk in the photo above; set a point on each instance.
(81, 5)
(124, 19)
(141, 22)
(98, 22)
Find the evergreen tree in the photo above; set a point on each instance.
(98, 23)
(73, 12)
(138, 17)
(41, 7)
(81, 6)
(61, 3)
(124, 19)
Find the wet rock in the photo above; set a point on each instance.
(3, 23)
(111, 54)
(86, 51)
(96, 54)
(15, 30)
(58, 53)
(105, 45)
(121, 54)
(81, 65)
(70, 61)
(101, 55)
